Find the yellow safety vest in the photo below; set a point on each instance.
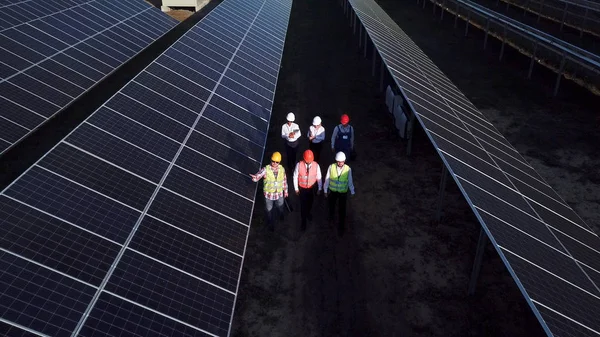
(338, 184)
(272, 184)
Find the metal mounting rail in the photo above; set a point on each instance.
(543, 48)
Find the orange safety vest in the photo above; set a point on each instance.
(307, 179)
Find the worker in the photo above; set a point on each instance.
(316, 136)
(290, 131)
(306, 174)
(342, 138)
(275, 188)
(338, 180)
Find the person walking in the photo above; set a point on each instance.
(338, 180)
(275, 188)
(306, 174)
(290, 131)
(342, 138)
(316, 136)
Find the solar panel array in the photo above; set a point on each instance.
(53, 51)
(552, 254)
(136, 223)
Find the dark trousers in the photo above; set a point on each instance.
(333, 198)
(290, 154)
(316, 149)
(307, 196)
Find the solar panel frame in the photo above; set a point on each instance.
(527, 223)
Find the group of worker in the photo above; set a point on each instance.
(307, 172)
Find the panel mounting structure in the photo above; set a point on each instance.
(136, 223)
(551, 253)
(53, 51)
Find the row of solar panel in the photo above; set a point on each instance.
(537, 232)
(47, 63)
(159, 173)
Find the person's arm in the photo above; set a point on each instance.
(284, 134)
(326, 182)
(258, 176)
(351, 137)
(320, 135)
(350, 183)
(297, 134)
(333, 137)
(319, 177)
(295, 179)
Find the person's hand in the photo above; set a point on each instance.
(285, 194)
(291, 135)
(253, 176)
(311, 137)
(297, 192)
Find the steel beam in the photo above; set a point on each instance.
(503, 43)
(487, 30)
(444, 178)
(535, 45)
(477, 263)
(560, 73)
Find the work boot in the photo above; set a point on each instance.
(303, 226)
(309, 217)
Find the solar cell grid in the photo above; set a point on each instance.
(49, 56)
(547, 248)
(159, 175)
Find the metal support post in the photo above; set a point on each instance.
(535, 45)
(560, 73)
(424, 1)
(360, 36)
(507, 6)
(374, 61)
(365, 43)
(477, 263)
(438, 213)
(503, 43)
(354, 23)
(487, 30)
(540, 10)
(562, 22)
(525, 7)
(456, 16)
(583, 23)
(411, 132)
(381, 75)
(442, 11)
(467, 23)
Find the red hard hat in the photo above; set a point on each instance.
(345, 119)
(309, 156)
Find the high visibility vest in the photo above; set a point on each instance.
(338, 183)
(272, 184)
(307, 179)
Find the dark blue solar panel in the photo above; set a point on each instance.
(159, 173)
(544, 244)
(76, 44)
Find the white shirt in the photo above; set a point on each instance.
(318, 133)
(346, 128)
(296, 170)
(286, 129)
(339, 171)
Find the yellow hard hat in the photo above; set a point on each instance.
(276, 157)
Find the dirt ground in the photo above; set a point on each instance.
(396, 271)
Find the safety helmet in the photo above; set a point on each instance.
(317, 120)
(308, 156)
(276, 157)
(340, 156)
(345, 119)
(290, 117)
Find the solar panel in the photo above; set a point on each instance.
(136, 222)
(552, 254)
(51, 52)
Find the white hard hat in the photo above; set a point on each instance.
(340, 156)
(290, 117)
(317, 120)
